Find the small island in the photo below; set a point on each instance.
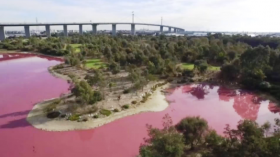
(98, 96)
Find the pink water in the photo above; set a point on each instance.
(25, 80)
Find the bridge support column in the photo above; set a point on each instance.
(169, 30)
(114, 29)
(94, 29)
(132, 29)
(27, 31)
(161, 29)
(81, 29)
(2, 33)
(65, 31)
(175, 30)
(48, 30)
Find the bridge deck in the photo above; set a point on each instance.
(77, 23)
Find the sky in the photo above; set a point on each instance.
(192, 15)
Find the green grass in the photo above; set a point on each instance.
(74, 117)
(105, 112)
(94, 63)
(214, 68)
(189, 66)
(125, 106)
(76, 47)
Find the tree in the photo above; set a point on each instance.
(231, 55)
(83, 91)
(201, 65)
(193, 129)
(166, 142)
(230, 71)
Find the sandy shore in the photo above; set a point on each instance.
(58, 75)
(38, 119)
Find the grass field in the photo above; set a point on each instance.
(187, 66)
(94, 63)
(76, 47)
(190, 66)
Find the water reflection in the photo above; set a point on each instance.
(12, 56)
(244, 103)
(225, 94)
(273, 108)
(247, 106)
(199, 91)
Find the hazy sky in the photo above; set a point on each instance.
(208, 15)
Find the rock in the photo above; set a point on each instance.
(53, 114)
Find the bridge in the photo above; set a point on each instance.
(94, 27)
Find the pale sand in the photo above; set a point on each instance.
(58, 75)
(38, 119)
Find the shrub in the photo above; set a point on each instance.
(60, 66)
(192, 128)
(63, 115)
(52, 106)
(125, 106)
(145, 97)
(134, 102)
(126, 91)
(116, 110)
(264, 85)
(85, 119)
(95, 116)
(74, 117)
(201, 65)
(53, 114)
(91, 110)
(105, 112)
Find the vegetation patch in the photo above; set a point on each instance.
(74, 117)
(94, 63)
(95, 116)
(190, 66)
(116, 110)
(85, 119)
(126, 91)
(53, 114)
(145, 97)
(76, 47)
(52, 106)
(187, 66)
(105, 112)
(134, 102)
(125, 106)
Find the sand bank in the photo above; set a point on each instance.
(38, 119)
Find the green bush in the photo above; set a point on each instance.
(105, 112)
(126, 91)
(74, 117)
(116, 110)
(53, 114)
(85, 119)
(125, 106)
(52, 106)
(95, 116)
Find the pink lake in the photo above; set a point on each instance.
(25, 80)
